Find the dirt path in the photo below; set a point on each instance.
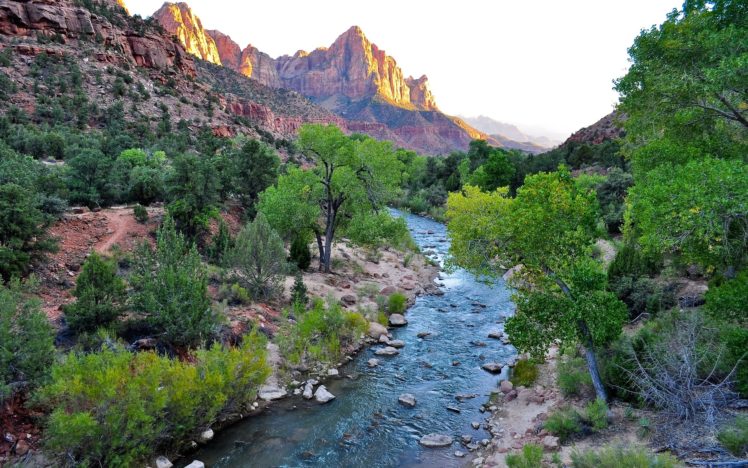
(119, 223)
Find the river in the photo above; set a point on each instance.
(365, 426)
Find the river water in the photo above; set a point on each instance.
(365, 426)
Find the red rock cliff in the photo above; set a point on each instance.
(178, 19)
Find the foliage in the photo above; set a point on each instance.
(299, 291)
(253, 168)
(193, 188)
(100, 296)
(620, 457)
(221, 243)
(530, 457)
(611, 195)
(378, 229)
(171, 289)
(88, 178)
(141, 213)
(259, 258)
(118, 408)
(320, 333)
(572, 377)
(524, 373)
(27, 339)
(397, 303)
(299, 253)
(728, 300)
(596, 413)
(563, 423)
(735, 437)
(642, 294)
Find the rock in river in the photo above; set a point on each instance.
(322, 395)
(308, 391)
(196, 464)
(372, 362)
(436, 440)
(398, 320)
(407, 399)
(388, 351)
(272, 392)
(397, 343)
(492, 367)
(376, 330)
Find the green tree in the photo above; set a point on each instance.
(497, 171)
(100, 296)
(193, 188)
(548, 228)
(259, 257)
(299, 252)
(171, 289)
(88, 178)
(254, 167)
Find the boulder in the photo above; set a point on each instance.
(372, 362)
(423, 334)
(22, 448)
(196, 464)
(453, 409)
(163, 462)
(466, 439)
(272, 392)
(384, 339)
(436, 440)
(495, 334)
(333, 372)
(348, 300)
(550, 443)
(506, 386)
(407, 399)
(387, 290)
(206, 435)
(376, 330)
(308, 391)
(475, 425)
(492, 367)
(459, 454)
(397, 343)
(397, 320)
(322, 395)
(387, 351)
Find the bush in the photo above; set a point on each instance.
(221, 244)
(631, 261)
(141, 214)
(573, 376)
(377, 229)
(299, 292)
(300, 255)
(596, 414)
(100, 296)
(564, 423)
(728, 300)
(531, 457)
(524, 373)
(735, 438)
(27, 339)
(642, 294)
(260, 259)
(171, 289)
(119, 408)
(622, 458)
(397, 303)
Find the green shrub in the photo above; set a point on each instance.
(728, 300)
(27, 339)
(221, 243)
(622, 458)
(378, 229)
(573, 377)
(100, 296)
(299, 254)
(524, 373)
(564, 423)
(299, 291)
(141, 214)
(642, 294)
(631, 261)
(397, 303)
(735, 437)
(596, 414)
(119, 408)
(531, 457)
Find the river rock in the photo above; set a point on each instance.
(475, 425)
(407, 399)
(496, 335)
(272, 392)
(423, 334)
(206, 435)
(333, 372)
(348, 300)
(465, 396)
(397, 343)
(398, 320)
(453, 409)
(308, 391)
(322, 395)
(492, 367)
(372, 362)
(466, 439)
(163, 462)
(459, 454)
(196, 464)
(550, 442)
(387, 351)
(376, 330)
(436, 440)
(506, 386)
(384, 339)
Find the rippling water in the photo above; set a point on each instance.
(365, 426)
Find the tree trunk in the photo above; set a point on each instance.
(329, 234)
(589, 354)
(321, 249)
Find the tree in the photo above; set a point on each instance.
(259, 257)
(100, 295)
(299, 253)
(171, 289)
(193, 188)
(88, 178)
(497, 171)
(548, 228)
(350, 175)
(254, 167)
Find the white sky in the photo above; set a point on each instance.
(545, 65)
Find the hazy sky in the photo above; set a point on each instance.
(545, 65)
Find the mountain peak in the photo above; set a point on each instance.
(179, 20)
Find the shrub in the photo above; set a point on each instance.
(524, 373)
(622, 458)
(118, 408)
(100, 296)
(728, 300)
(221, 243)
(171, 289)
(27, 339)
(563, 423)
(141, 214)
(259, 257)
(299, 254)
(631, 261)
(596, 413)
(397, 303)
(531, 457)
(573, 377)
(642, 294)
(735, 437)
(299, 291)
(377, 229)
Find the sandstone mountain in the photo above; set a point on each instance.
(352, 78)
(511, 135)
(607, 128)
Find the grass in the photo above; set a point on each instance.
(525, 373)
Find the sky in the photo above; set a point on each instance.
(545, 65)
